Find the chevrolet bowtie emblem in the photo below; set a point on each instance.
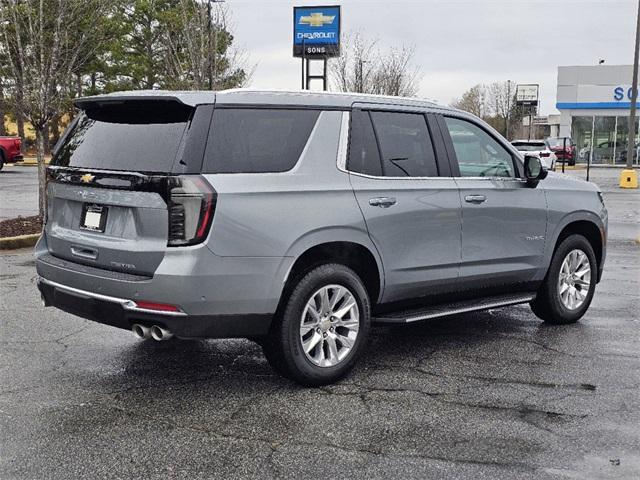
(87, 178)
(317, 19)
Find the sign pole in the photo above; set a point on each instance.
(302, 63)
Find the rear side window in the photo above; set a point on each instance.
(134, 135)
(257, 140)
(405, 145)
(363, 150)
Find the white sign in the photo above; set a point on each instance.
(527, 93)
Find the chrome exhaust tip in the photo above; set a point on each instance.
(160, 334)
(140, 331)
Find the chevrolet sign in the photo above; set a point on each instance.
(316, 31)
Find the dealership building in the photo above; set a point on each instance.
(594, 104)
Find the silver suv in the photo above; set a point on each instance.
(300, 219)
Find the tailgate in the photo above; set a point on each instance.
(120, 229)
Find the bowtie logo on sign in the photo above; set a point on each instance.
(317, 19)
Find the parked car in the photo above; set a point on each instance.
(564, 148)
(602, 151)
(10, 150)
(300, 219)
(538, 148)
(621, 153)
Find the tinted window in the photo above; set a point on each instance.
(529, 146)
(363, 150)
(478, 154)
(257, 140)
(139, 136)
(405, 145)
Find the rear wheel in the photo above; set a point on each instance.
(1, 159)
(568, 288)
(323, 327)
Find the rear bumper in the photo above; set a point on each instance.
(218, 297)
(121, 313)
(14, 158)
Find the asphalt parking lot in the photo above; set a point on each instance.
(484, 395)
(18, 191)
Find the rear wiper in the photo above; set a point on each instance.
(399, 159)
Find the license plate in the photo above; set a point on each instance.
(94, 217)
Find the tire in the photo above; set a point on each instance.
(1, 160)
(549, 304)
(323, 335)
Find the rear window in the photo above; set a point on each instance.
(137, 136)
(257, 140)
(530, 146)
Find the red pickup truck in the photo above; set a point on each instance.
(10, 150)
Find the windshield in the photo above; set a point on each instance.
(530, 146)
(139, 136)
(558, 142)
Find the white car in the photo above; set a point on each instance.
(538, 148)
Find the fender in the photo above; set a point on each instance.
(552, 237)
(334, 234)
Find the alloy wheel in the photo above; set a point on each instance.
(574, 280)
(329, 325)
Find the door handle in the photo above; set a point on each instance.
(475, 198)
(382, 202)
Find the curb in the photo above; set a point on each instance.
(22, 241)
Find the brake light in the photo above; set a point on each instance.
(192, 203)
(18, 143)
(544, 154)
(160, 307)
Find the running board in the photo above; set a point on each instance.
(446, 309)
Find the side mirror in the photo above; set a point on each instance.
(533, 170)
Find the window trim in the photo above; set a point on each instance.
(343, 165)
(519, 173)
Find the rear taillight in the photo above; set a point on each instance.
(18, 143)
(192, 203)
(544, 154)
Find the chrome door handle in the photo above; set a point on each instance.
(382, 202)
(475, 198)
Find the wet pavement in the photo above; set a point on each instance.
(18, 191)
(485, 395)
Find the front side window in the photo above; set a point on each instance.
(257, 140)
(405, 145)
(478, 154)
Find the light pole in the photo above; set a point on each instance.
(629, 177)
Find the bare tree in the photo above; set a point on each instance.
(46, 41)
(473, 101)
(201, 53)
(396, 76)
(501, 99)
(364, 67)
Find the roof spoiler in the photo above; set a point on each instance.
(84, 103)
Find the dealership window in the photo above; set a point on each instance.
(602, 139)
(581, 132)
(622, 136)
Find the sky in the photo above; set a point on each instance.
(458, 43)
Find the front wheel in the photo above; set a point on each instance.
(323, 327)
(567, 290)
